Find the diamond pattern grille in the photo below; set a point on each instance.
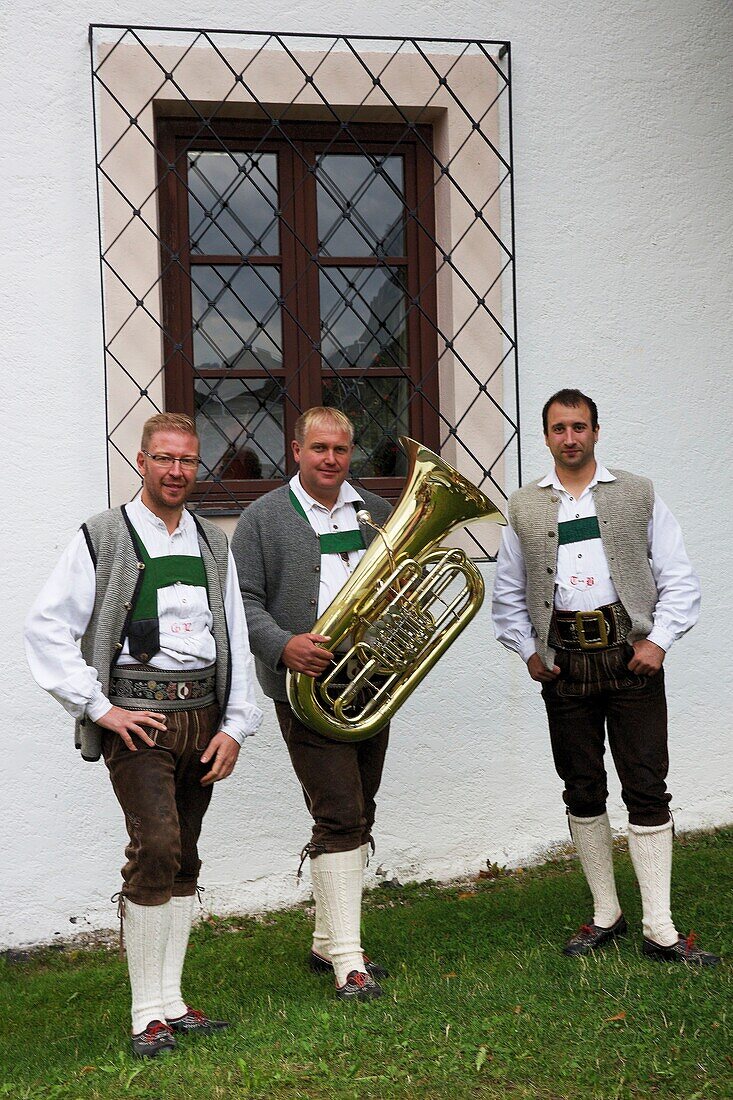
(290, 220)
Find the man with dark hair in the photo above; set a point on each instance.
(295, 548)
(571, 399)
(139, 633)
(593, 586)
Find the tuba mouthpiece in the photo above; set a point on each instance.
(365, 517)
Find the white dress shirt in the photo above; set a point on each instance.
(335, 571)
(583, 578)
(61, 614)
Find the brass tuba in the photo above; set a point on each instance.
(389, 623)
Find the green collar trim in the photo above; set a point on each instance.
(336, 542)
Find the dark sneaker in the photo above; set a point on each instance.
(196, 1022)
(319, 965)
(156, 1039)
(684, 951)
(591, 936)
(359, 986)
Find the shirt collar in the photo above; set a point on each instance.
(347, 495)
(552, 480)
(143, 514)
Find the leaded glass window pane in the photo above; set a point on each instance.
(241, 424)
(360, 205)
(236, 317)
(363, 317)
(232, 203)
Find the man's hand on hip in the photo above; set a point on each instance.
(647, 659)
(223, 750)
(303, 653)
(538, 671)
(126, 722)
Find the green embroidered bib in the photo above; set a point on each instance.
(578, 530)
(162, 573)
(336, 542)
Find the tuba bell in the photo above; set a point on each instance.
(403, 605)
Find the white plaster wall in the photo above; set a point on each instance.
(623, 143)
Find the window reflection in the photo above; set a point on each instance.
(232, 204)
(360, 205)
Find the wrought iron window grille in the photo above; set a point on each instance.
(152, 105)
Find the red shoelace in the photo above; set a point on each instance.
(153, 1029)
(690, 942)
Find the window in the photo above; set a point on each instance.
(298, 272)
(288, 220)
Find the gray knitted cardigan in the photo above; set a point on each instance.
(118, 579)
(624, 508)
(278, 560)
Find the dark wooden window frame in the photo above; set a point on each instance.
(299, 265)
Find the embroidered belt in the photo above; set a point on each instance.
(136, 687)
(604, 628)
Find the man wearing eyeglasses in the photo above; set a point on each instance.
(140, 634)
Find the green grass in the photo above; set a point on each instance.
(481, 1003)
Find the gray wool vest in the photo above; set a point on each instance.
(624, 508)
(118, 578)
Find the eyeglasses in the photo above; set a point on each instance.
(166, 461)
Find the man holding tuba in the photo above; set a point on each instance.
(294, 548)
(593, 585)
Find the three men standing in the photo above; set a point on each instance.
(593, 586)
(140, 634)
(295, 548)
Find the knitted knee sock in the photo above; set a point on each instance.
(594, 844)
(650, 848)
(175, 953)
(339, 883)
(146, 934)
(321, 942)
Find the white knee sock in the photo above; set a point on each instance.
(321, 941)
(175, 953)
(650, 848)
(338, 877)
(594, 843)
(146, 934)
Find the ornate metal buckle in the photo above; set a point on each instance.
(597, 617)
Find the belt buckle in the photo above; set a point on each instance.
(583, 617)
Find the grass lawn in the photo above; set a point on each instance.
(481, 1003)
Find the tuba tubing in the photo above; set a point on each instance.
(389, 597)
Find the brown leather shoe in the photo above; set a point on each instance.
(591, 936)
(684, 951)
